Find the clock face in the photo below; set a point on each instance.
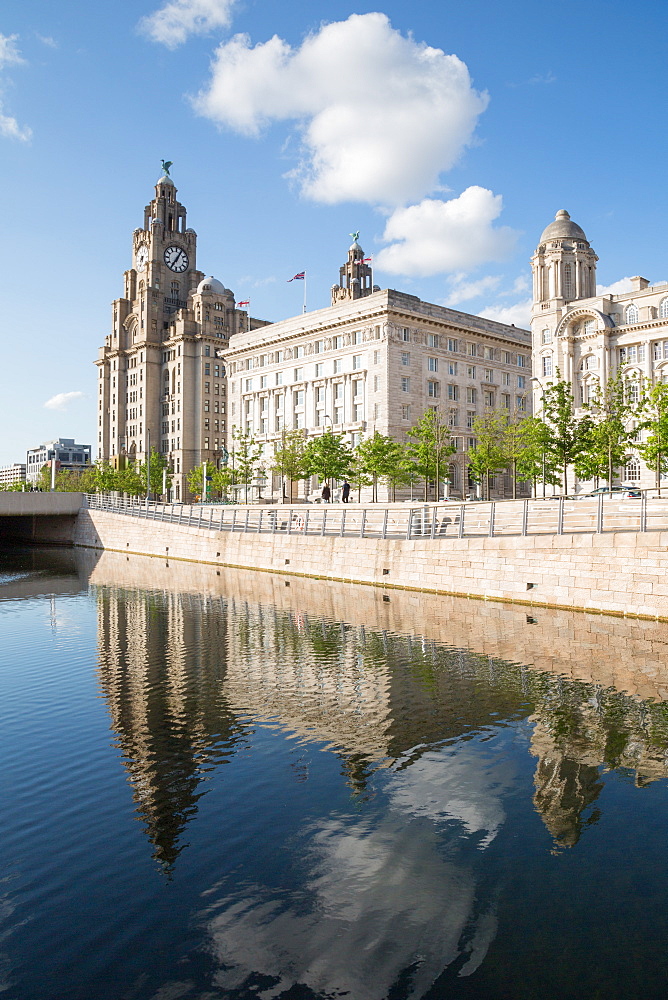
(142, 257)
(176, 259)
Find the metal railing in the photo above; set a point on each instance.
(454, 519)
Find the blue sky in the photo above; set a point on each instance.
(447, 134)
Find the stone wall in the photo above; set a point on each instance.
(620, 573)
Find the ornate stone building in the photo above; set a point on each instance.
(376, 361)
(161, 375)
(586, 337)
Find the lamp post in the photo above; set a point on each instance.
(326, 416)
(148, 466)
(542, 393)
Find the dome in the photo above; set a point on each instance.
(562, 228)
(356, 246)
(213, 286)
(165, 180)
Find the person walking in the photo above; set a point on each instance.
(345, 491)
(326, 493)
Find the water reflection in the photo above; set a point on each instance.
(381, 901)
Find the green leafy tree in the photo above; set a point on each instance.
(654, 450)
(288, 459)
(376, 456)
(565, 432)
(357, 476)
(131, 481)
(106, 478)
(606, 435)
(488, 456)
(157, 462)
(221, 480)
(400, 471)
(430, 448)
(246, 458)
(535, 462)
(328, 457)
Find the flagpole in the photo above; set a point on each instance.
(304, 310)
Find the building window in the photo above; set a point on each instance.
(632, 470)
(505, 378)
(319, 369)
(452, 368)
(471, 395)
(299, 375)
(433, 389)
(432, 364)
(489, 399)
(489, 375)
(337, 366)
(590, 326)
(299, 352)
(406, 412)
(632, 392)
(663, 309)
(631, 314)
(357, 337)
(405, 384)
(432, 340)
(319, 347)
(453, 345)
(546, 337)
(406, 335)
(279, 378)
(263, 382)
(505, 400)
(472, 350)
(470, 418)
(405, 358)
(453, 392)
(376, 357)
(207, 351)
(248, 383)
(470, 371)
(521, 361)
(521, 382)
(207, 368)
(376, 382)
(547, 366)
(520, 403)
(337, 343)
(357, 362)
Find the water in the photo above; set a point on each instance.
(224, 785)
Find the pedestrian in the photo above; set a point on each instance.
(345, 491)
(326, 493)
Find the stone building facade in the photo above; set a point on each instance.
(376, 361)
(586, 337)
(161, 376)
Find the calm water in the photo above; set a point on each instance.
(215, 789)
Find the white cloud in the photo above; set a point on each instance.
(616, 288)
(10, 128)
(47, 40)
(62, 400)
(173, 24)
(445, 236)
(381, 115)
(518, 314)
(9, 53)
(461, 290)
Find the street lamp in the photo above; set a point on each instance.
(542, 393)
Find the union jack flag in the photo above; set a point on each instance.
(298, 277)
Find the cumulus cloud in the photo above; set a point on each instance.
(11, 56)
(616, 288)
(436, 236)
(62, 400)
(381, 115)
(10, 128)
(177, 20)
(462, 290)
(9, 52)
(518, 314)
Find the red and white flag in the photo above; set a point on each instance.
(298, 277)
(246, 302)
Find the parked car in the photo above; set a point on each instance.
(620, 492)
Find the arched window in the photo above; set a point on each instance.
(631, 314)
(590, 326)
(453, 473)
(632, 391)
(547, 365)
(632, 469)
(568, 281)
(663, 309)
(588, 364)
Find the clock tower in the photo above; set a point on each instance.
(158, 365)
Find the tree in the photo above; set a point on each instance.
(400, 468)
(431, 448)
(289, 457)
(565, 435)
(605, 437)
(328, 457)
(246, 455)
(535, 461)
(376, 456)
(131, 481)
(157, 462)
(358, 476)
(221, 480)
(488, 456)
(654, 451)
